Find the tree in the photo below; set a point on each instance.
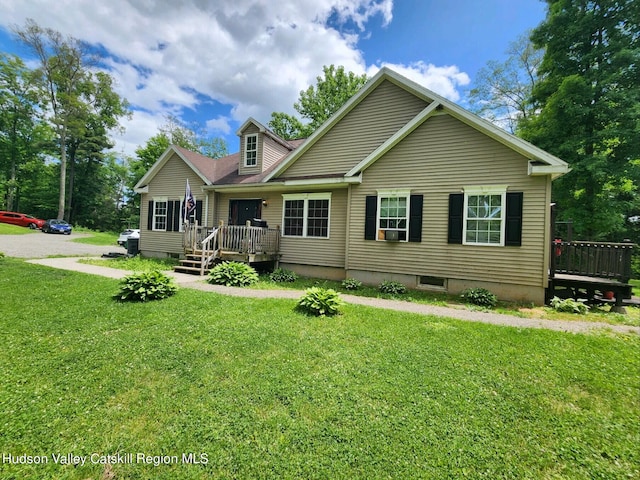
(89, 137)
(502, 90)
(588, 104)
(317, 104)
(22, 131)
(62, 72)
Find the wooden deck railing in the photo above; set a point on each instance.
(212, 243)
(248, 239)
(592, 259)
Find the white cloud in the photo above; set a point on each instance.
(444, 81)
(219, 125)
(252, 55)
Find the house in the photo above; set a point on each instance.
(399, 184)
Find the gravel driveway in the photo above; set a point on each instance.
(39, 245)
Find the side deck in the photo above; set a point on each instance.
(598, 272)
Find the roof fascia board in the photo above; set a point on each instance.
(515, 143)
(155, 168)
(392, 141)
(335, 118)
(340, 182)
(554, 170)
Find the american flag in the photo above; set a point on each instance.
(189, 204)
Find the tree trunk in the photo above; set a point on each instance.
(63, 174)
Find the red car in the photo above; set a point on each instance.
(21, 219)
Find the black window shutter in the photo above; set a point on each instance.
(177, 214)
(150, 216)
(513, 230)
(371, 212)
(415, 218)
(170, 216)
(199, 211)
(456, 217)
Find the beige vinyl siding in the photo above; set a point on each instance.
(250, 130)
(381, 114)
(305, 251)
(170, 182)
(441, 157)
(272, 152)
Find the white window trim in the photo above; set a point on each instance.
(486, 190)
(306, 197)
(153, 214)
(246, 151)
(392, 193)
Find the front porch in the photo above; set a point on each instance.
(204, 246)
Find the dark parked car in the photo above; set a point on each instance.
(56, 226)
(21, 219)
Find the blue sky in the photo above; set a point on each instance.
(217, 62)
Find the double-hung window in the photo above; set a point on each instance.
(250, 150)
(160, 214)
(306, 215)
(484, 215)
(393, 215)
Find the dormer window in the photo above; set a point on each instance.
(250, 150)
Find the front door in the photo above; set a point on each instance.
(240, 211)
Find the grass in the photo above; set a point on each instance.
(635, 287)
(596, 314)
(96, 238)
(6, 229)
(136, 264)
(265, 392)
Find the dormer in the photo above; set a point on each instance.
(260, 148)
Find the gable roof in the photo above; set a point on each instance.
(541, 162)
(265, 130)
(201, 165)
(218, 171)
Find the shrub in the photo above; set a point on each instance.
(394, 288)
(1, 254)
(568, 305)
(479, 296)
(144, 286)
(233, 274)
(351, 284)
(320, 301)
(281, 275)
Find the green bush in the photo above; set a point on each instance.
(320, 302)
(1, 254)
(568, 305)
(351, 284)
(394, 288)
(144, 286)
(281, 275)
(233, 274)
(479, 296)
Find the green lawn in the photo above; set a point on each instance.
(96, 238)
(6, 229)
(265, 392)
(596, 314)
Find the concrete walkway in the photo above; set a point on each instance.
(190, 281)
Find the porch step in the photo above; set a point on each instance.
(190, 264)
(189, 270)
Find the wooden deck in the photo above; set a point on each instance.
(240, 243)
(596, 272)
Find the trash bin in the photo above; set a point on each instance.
(132, 246)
